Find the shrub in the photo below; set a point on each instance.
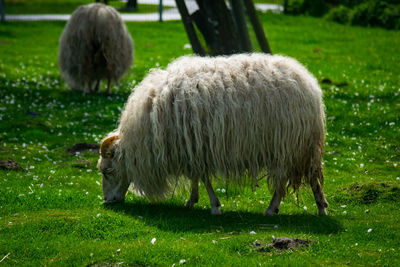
(384, 14)
(341, 14)
(316, 8)
(377, 13)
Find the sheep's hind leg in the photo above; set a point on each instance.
(214, 201)
(88, 85)
(273, 207)
(194, 195)
(108, 86)
(319, 197)
(97, 86)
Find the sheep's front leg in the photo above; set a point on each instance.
(273, 207)
(108, 86)
(97, 86)
(88, 85)
(319, 197)
(194, 195)
(214, 201)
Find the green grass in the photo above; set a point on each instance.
(52, 212)
(65, 6)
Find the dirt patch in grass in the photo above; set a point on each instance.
(10, 164)
(370, 193)
(336, 83)
(80, 147)
(82, 164)
(281, 244)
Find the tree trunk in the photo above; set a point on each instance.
(258, 28)
(2, 10)
(216, 24)
(223, 32)
(241, 25)
(187, 23)
(285, 6)
(131, 5)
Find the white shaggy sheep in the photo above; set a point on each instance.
(230, 118)
(94, 45)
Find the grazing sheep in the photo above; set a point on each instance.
(233, 118)
(94, 45)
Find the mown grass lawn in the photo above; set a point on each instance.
(52, 213)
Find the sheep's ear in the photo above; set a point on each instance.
(106, 148)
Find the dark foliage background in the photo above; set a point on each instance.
(384, 14)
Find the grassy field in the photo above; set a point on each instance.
(51, 212)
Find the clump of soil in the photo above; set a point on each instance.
(32, 114)
(9, 164)
(82, 164)
(281, 244)
(326, 81)
(336, 83)
(370, 193)
(285, 243)
(80, 147)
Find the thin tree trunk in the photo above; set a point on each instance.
(241, 25)
(160, 10)
(187, 23)
(223, 32)
(258, 29)
(285, 6)
(131, 5)
(3, 11)
(215, 22)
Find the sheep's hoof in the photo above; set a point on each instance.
(322, 212)
(189, 204)
(271, 212)
(215, 211)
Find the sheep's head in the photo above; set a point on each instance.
(114, 183)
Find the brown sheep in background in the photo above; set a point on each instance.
(94, 45)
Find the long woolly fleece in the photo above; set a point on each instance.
(94, 45)
(233, 118)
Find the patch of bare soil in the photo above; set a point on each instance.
(281, 244)
(9, 164)
(82, 164)
(370, 192)
(336, 83)
(80, 147)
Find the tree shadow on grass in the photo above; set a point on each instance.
(175, 218)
